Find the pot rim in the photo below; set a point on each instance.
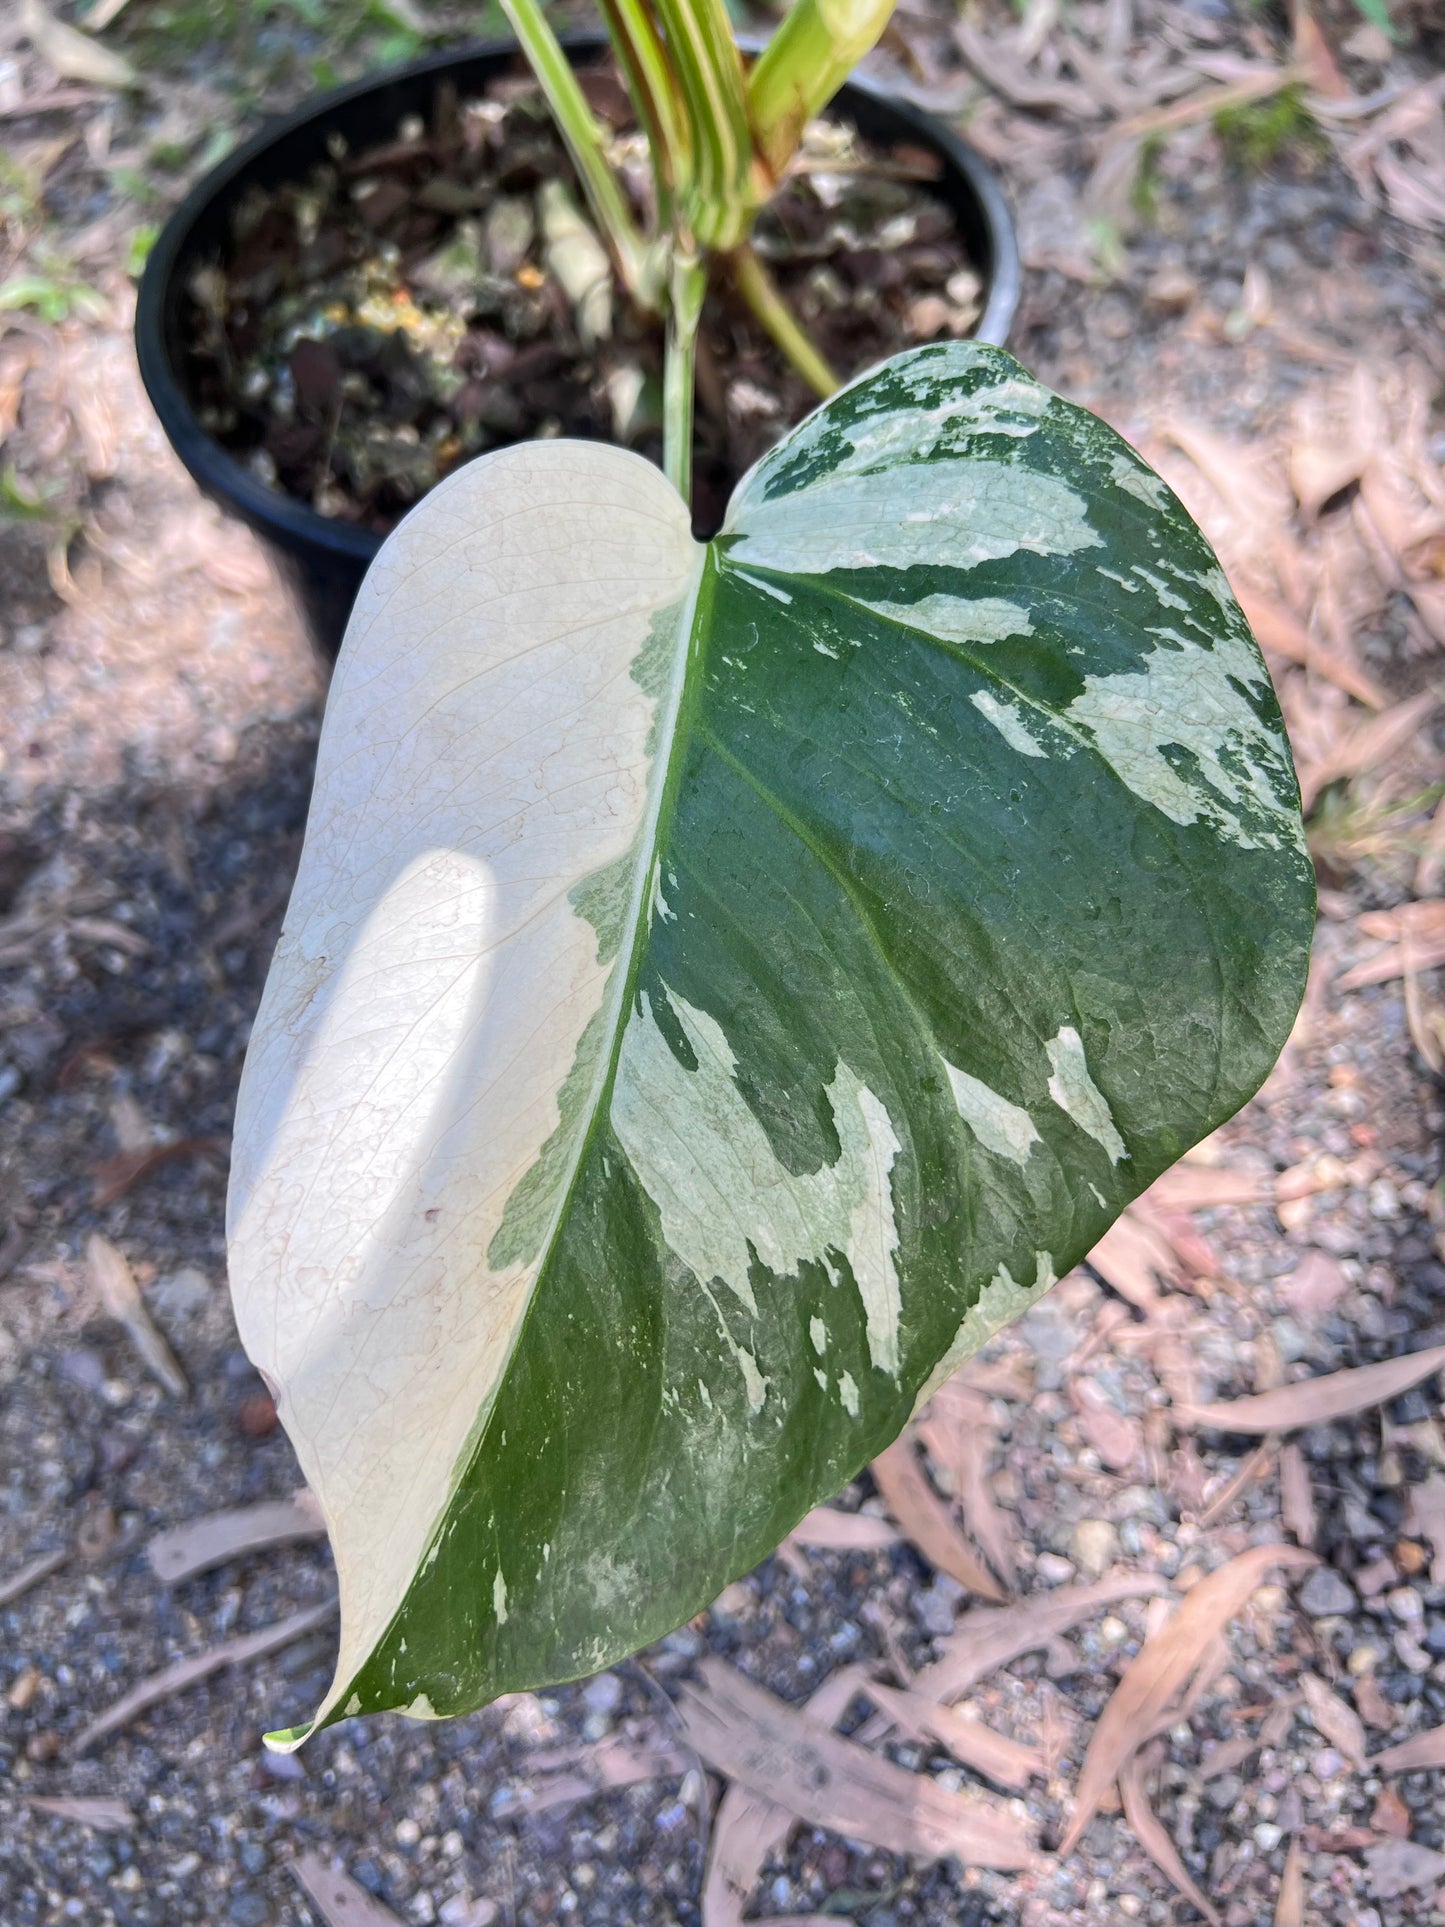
(295, 525)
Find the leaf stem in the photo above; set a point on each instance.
(584, 140)
(689, 284)
(761, 292)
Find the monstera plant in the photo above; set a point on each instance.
(727, 981)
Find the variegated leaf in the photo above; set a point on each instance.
(724, 984)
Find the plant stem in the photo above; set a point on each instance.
(709, 70)
(689, 284)
(761, 292)
(584, 139)
(643, 59)
(808, 58)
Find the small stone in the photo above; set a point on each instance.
(1406, 1605)
(1384, 1199)
(248, 1910)
(407, 1833)
(936, 1607)
(1223, 1791)
(603, 1694)
(180, 1294)
(1410, 1653)
(1171, 290)
(1095, 1546)
(253, 1856)
(1052, 1569)
(1267, 1836)
(1325, 1593)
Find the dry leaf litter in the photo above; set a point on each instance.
(1161, 1577)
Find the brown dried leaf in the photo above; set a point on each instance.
(339, 1900)
(924, 1519)
(1113, 1434)
(1162, 1668)
(795, 1760)
(987, 1640)
(1315, 1401)
(962, 1417)
(748, 1829)
(1296, 1496)
(1372, 1706)
(106, 1816)
(1149, 1831)
(1415, 1755)
(118, 1292)
(1367, 746)
(1198, 1187)
(114, 1176)
(1339, 1724)
(1279, 631)
(1290, 1908)
(1007, 1762)
(73, 55)
(1131, 1258)
(186, 1672)
(830, 1530)
(1398, 1867)
(1245, 1474)
(181, 1552)
(1391, 1815)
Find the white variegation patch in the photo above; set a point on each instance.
(703, 1157)
(1191, 698)
(965, 619)
(936, 400)
(954, 512)
(486, 750)
(1135, 479)
(1008, 720)
(1001, 1301)
(1001, 1127)
(1075, 1092)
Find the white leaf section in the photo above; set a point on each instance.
(952, 512)
(1007, 719)
(704, 1159)
(1075, 1092)
(486, 749)
(1001, 1127)
(1192, 699)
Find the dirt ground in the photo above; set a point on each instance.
(1246, 281)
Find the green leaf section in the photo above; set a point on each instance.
(980, 895)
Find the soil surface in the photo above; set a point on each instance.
(443, 291)
(1255, 302)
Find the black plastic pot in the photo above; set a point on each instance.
(327, 559)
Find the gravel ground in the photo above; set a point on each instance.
(158, 708)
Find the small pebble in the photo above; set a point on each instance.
(603, 1694)
(1095, 1546)
(1406, 1605)
(1325, 1593)
(1052, 1569)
